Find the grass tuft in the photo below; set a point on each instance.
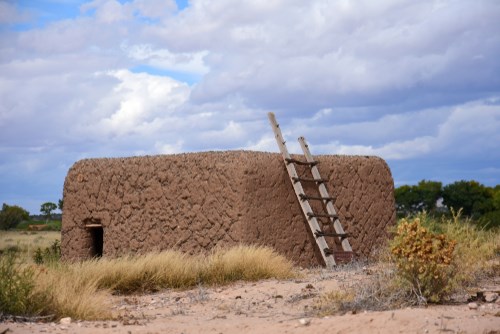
(61, 292)
(249, 263)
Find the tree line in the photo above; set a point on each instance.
(12, 215)
(477, 201)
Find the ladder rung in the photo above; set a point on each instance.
(305, 197)
(328, 251)
(301, 179)
(298, 162)
(342, 236)
(340, 256)
(343, 257)
(310, 215)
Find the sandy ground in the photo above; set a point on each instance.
(271, 306)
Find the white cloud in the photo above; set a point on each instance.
(155, 8)
(108, 11)
(470, 130)
(402, 79)
(137, 104)
(163, 148)
(164, 59)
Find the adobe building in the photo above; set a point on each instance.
(194, 202)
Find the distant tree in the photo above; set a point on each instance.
(412, 199)
(60, 204)
(11, 215)
(474, 198)
(429, 192)
(47, 209)
(496, 197)
(407, 200)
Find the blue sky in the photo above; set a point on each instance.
(416, 83)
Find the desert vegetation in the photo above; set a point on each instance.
(81, 290)
(429, 260)
(432, 257)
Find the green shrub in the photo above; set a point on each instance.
(49, 255)
(490, 220)
(11, 216)
(16, 286)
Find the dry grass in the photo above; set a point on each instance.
(378, 292)
(249, 263)
(171, 269)
(149, 272)
(26, 242)
(62, 292)
(477, 250)
(476, 256)
(81, 290)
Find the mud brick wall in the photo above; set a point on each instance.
(194, 202)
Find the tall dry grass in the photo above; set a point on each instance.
(82, 290)
(477, 252)
(62, 292)
(171, 269)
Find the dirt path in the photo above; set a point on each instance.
(269, 307)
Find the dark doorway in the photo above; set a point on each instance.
(97, 234)
(97, 240)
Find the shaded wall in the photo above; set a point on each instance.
(196, 201)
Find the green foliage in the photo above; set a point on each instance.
(423, 259)
(60, 204)
(51, 225)
(47, 208)
(422, 197)
(16, 286)
(430, 192)
(407, 200)
(11, 216)
(490, 220)
(496, 197)
(472, 197)
(49, 255)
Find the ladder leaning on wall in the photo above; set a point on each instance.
(331, 256)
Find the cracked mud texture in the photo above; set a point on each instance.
(194, 202)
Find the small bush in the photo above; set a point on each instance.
(16, 286)
(423, 259)
(490, 220)
(51, 254)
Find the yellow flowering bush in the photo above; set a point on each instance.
(424, 260)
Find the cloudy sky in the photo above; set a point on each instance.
(415, 82)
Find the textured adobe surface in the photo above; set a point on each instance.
(196, 201)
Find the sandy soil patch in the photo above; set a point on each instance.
(271, 306)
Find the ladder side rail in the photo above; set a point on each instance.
(346, 246)
(297, 186)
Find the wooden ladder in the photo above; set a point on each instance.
(330, 255)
